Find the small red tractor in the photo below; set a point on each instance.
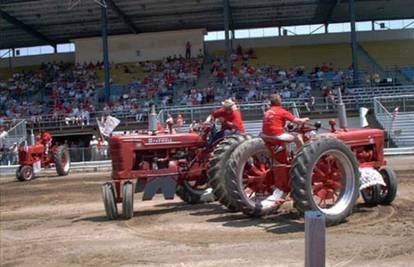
(159, 161)
(326, 174)
(34, 157)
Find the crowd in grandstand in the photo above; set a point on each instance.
(70, 93)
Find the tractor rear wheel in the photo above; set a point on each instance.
(325, 177)
(108, 197)
(25, 173)
(62, 160)
(249, 177)
(127, 201)
(372, 195)
(389, 192)
(217, 165)
(194, 193)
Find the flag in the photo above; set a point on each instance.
(106, 127)
(363, 122)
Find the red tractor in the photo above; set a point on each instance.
(159, 161)
(326, 174)
(42, 155)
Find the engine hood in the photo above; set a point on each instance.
(146, 141)
(357, 136)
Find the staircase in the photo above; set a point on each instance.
(399, 126)
(403, 129)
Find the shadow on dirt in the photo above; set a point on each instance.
(279, 223)
(284, 222)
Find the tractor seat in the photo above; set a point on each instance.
(271, 140)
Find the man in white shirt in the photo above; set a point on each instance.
(93, 145)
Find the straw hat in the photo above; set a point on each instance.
(228, 103)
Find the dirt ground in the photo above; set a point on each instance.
(55, 221)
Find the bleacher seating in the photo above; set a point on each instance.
(391, 54)
(308, 56)
(408, 72)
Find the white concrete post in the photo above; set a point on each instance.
(314, 239)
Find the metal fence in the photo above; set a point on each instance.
(359, 97)
(85, 154)
(15, 135)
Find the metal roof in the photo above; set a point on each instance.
(38, 22)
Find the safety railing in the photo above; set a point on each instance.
(396, 116)
(15, 135)
(384, 117)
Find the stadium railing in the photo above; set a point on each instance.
(359, 97)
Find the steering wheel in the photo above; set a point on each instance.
(303, 128)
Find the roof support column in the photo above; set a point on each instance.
(226, 35)
(11, 54)
(231, 40)
(104, 25)
(354, 44)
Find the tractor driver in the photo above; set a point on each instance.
(231, 120)
(273, 127)
(46, 140)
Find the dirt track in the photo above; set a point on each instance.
(55, 221)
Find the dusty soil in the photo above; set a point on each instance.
(55, 221)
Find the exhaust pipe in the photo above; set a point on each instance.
(342, 118)
(152, 120)
(32, 138)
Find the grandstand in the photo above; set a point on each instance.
(162, 52)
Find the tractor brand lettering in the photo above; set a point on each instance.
(159, 140)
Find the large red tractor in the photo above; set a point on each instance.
(41, 155)
(164, 162)
(326, 174)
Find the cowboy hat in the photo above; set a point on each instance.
(228, 103)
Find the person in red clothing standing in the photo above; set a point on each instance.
(46, 140)
(274, 127)
(231, 120)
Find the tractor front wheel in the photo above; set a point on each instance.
(372, 195)
(388, 192)
(194, 193)
(325, 177)
(108, 196)
(62, 160)
(128, 201)
(25, 173)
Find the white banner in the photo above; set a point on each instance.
(108, 126)
(370, 177)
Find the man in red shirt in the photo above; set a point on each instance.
(46, 140)
(274, 127)
(275, 119)
(231, 120)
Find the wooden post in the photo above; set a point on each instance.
(314, 239)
